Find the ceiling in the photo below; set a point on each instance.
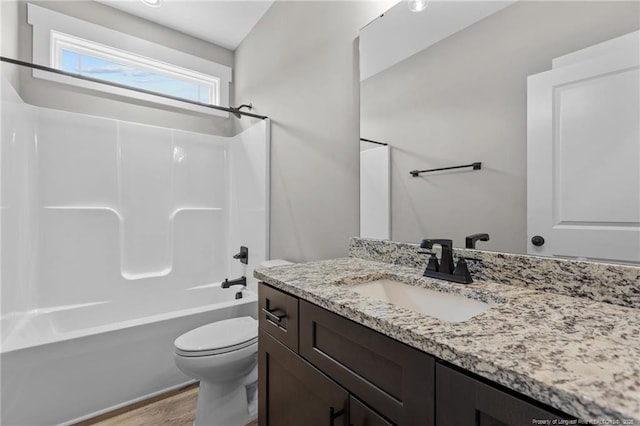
(222, 22)
(399, 33)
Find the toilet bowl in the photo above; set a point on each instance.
(223, 357)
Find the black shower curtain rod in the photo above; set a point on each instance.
(370, 141)
(235, 111)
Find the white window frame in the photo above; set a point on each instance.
(52, 31)
(61, 41)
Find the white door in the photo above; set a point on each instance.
(583, 157)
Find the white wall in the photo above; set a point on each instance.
(464, 100)
(299, 66)
(9, 46)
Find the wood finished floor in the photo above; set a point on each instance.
(175, 409)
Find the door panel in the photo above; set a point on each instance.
(597, 131)
(583, 159)
(361, 415)
(463, 400)
(292, 392)
(393, 378)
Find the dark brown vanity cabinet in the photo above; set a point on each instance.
(278, 315)
(383, 373)
(333, 370)
(464, 400)
(318, 368)
(361, 415)
(292, 392)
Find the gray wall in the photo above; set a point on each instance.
(299, 66)
(54, 95)
(9, 17)
(464, 100)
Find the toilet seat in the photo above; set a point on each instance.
(219, 337)
(215, 351)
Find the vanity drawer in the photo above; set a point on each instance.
(392, 377)
(278, 315)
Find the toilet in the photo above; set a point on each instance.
(223, 356)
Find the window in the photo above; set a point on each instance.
(94, 60)
(80, 47)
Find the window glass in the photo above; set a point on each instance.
(105, 66)
(80, 47)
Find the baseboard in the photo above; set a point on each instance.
(116, 410)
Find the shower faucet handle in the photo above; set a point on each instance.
(243, 256)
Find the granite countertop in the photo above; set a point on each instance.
(577, 355)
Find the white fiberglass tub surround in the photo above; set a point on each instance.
(115, 237)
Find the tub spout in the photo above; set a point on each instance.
(238, 281)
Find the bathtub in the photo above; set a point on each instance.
(56, 372)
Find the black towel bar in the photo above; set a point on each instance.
(476, 166)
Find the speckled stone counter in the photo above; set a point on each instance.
(578, 355)
(612, 283)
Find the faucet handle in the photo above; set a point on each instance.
(446, 258)
(462, 270)
(428, 243)
(243, 255)
(433, 264)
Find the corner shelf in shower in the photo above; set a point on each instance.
(187, 209)
(86, 208)
(162, 264)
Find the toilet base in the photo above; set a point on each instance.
(228, 404)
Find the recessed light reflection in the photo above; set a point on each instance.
(178, 154)
(417, 5)
(152, 3)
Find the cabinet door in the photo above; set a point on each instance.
(394, 378)
(463, 400)
(361, 415)
(292, 392)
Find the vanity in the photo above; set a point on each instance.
(544, 351)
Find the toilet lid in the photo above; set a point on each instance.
(219, 337)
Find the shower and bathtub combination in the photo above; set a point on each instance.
(115, 239)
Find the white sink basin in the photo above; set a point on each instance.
(445, 306)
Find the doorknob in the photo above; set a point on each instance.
(537, 240)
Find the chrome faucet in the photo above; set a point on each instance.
(445, 270)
